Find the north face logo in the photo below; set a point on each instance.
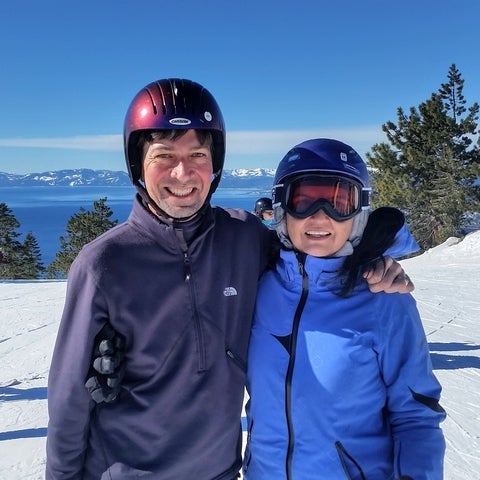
(230, 292)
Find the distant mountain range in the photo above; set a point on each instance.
(238, 178)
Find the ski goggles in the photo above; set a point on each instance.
(339, 197)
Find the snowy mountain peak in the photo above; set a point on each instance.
(237, 178)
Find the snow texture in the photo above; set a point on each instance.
(447, 280)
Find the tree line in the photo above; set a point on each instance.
(22, 260)
(429, 168)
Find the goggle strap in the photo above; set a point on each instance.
(366, 197)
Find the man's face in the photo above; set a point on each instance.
(267, 215)
(177, 174)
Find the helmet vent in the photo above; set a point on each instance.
(154, 107)
(173, 103)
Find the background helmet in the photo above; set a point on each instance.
(262, 204)
(321, 156)
(173, 103)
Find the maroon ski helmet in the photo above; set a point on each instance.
(173, 103)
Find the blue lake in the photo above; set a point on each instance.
(45, 211)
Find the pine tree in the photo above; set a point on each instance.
(31, 263)
(431, 168)
(17, 260)
(9, 244)
(82, 228)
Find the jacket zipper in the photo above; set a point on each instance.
(201, 348)
(291, 364)
(236, 360)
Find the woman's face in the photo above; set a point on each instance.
(318, 235)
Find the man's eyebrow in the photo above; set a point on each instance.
(162, 146)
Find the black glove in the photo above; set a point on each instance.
(107, 368)
(379, 234)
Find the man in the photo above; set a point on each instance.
(178, 282)
(264, 211)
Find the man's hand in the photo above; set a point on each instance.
(387, 275)
(107, 368)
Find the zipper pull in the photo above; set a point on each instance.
(186, 263)
(301, 257)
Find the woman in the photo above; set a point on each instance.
(341, 384)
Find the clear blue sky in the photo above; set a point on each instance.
(282, 71)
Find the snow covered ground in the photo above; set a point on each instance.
(447, 280)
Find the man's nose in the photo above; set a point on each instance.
(182, 169)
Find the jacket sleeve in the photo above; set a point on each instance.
(69, 404)
(413, 392)
(404, 244)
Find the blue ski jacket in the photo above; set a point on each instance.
(185, 312)
(340, 387)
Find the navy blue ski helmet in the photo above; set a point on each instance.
(320, 156)
(173, 103)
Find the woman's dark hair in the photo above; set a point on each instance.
(379, 234)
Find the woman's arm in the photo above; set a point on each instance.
(413, 391)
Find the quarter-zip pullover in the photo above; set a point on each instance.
(185, 312)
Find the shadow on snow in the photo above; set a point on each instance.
(442, 361)
(36, 393)
(25, 433)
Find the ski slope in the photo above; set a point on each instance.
(447, 280)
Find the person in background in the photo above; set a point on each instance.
(263, 210)
(340, 379)
(169, 295)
